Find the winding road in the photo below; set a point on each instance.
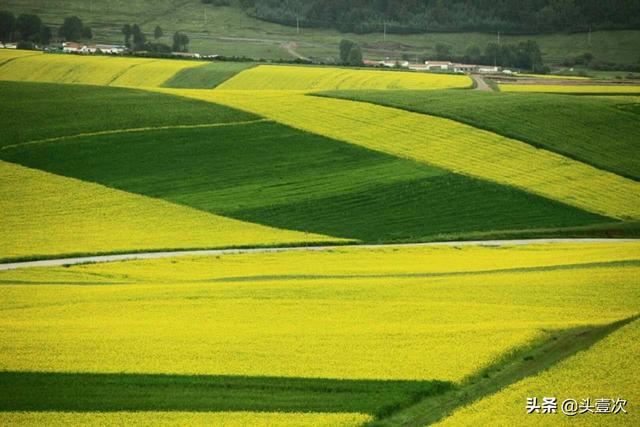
(169, 254)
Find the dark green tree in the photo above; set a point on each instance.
(345, 48)
(45, 35)
(180, 42)
(7, 25)
(126, 30)
(157, 33)
(139, 39)
(72, 29)
(28, 27)
(355, 56)
(87, 33)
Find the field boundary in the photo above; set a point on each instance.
(480, 126)
(522, 363)
(133, 130)
(10, 264)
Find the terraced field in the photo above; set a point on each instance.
(598, 130)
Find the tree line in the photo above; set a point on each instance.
(136, 40)
(416, 16)
(28, 29)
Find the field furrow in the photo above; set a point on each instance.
(444, 143)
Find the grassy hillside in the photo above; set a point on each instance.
(43, 111)
(45, 215)
(444, 143)
(271, 174)
(229, 31)
(595, 130)
(297, 331)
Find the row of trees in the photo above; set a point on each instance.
(136, 39)
(410, 16)
(28, 28)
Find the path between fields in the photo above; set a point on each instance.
(481, 83)
(169, 254)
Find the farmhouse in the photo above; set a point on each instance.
(73, 47)
(438, 65)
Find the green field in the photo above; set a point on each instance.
(42, 111)
(599, 131)
(206, 76)
(282, 177)
(228, 31)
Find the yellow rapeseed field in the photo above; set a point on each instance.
(607, 370)
(226, 419)
(343, 313)
(277, 77)
(571, 88)
(46, 214)
(444, 143)
(96, 70)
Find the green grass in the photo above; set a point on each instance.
(228, 31)
(41, 110)
(602, 132)
(272, 174)
(207, 76)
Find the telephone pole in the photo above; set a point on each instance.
(384, 36)
(297, 25)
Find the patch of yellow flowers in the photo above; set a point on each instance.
(277, 77)
(46, 214)
(607, 370)
(95, 70)
(416, 314)
(175, 418)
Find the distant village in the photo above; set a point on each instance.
(439, 66)
(427, 66)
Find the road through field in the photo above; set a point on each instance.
(168, 254)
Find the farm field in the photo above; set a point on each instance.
(233, 317)
(567, 381)
(360, 322)
(41, 111)
(282, 177)
(97, 70)
(45, 215)
(275, 77)
(596, 130)
(443, 143)
(206, 76)
(577, 89)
